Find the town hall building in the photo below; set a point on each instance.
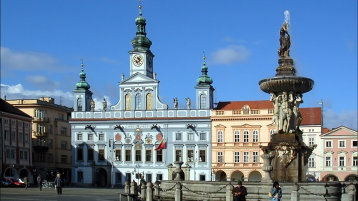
(140, 137)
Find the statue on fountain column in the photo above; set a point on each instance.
(296, 111)
(285, 42)
(276, 111)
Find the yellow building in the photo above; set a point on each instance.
(239, 128)
(51, 137)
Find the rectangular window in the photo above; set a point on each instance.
(138, 155)
(220, 157)
(26, 137)
(90, 154)
(160, 156)
(12, 154)
(79, 136)
(63, 145)
(202, 136)
(202, 177)
(90, 136)
(237, 157)
(63, 131)
(118, 154)
(246, 136)
(128, 155)
(255, 157)
(6, 133)
(220, 136)
(342, 161)
(148, 177)
(311, 163)
(159, 177)
(148, 155)
(80, 177)
(219, 112)
(270, 111)
(255, 111)
(236, 112)
(190, 155)
(25, 155)
(342, 144)
(310, 141)
(354, 143)
(101, 154)
(21, 137)
(255, 136)
(128, 177)
(236, 136)
(328, 144)
(202, 155)
(328, 161)
(190, 136)
(101, 137)
(178, 155)
(21, 155)
(64, 159)
(178, 136)
(355, 161)
(79, 154)
(246, 157)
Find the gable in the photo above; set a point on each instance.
(341, 131)
(138, 78)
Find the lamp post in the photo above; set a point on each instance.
(136, 169)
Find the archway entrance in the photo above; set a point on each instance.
(237, 176)
(11, 172)
(220, 176)
(101, 177)
(255, 176)
(330, 177)
(351, 177)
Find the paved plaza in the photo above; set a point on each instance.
(68, 194)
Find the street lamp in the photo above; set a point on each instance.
(136, 169)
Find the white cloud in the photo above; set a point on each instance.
(41, 81)
(26, 60)
(333, 119)
(231, 54)
(19, 92)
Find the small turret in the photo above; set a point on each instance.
(82, 94)
(204, 90)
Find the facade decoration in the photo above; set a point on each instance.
(140, 136)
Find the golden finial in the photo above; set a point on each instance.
(204, 58)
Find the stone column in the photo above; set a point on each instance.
(178, 193)
(143, 192)
(229, 195)
(126, 187)
(149, 191)
(267, 167)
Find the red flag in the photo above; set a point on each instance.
(161, 145)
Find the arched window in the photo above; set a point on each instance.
(79, 104)
(202, 101)
(138, 102)
(255, 136)
(220, 136)
(149, 98)
(128, 102)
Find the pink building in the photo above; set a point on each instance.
(340, 155)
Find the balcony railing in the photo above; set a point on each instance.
(41, 119)
(40, 133)
(40, 145)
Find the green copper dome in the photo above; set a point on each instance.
(141, 42)
(82, 84)
(204, 79)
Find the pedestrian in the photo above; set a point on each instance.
(25, 182)
(39, 181)
(240, 192)
(276, 192)
(58, 184)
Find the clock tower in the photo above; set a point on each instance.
(141, 58)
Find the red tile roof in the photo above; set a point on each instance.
(311, 116)
(325, 130)
(237, 105)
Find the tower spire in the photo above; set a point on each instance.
(204, 79)
(82, 84)
(141, 42)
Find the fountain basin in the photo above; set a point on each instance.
(286, 83)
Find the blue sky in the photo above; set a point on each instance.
(42, 43)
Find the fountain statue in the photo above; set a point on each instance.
(287, 151)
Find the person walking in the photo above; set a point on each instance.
(58, 184)
(276, 192)
(25, 182)
(39, 181)
(240, 192)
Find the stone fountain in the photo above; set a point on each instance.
(286, 156)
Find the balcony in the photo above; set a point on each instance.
(41, 119)
(40, 133)
(40, 145)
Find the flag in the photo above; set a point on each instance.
(161, 145)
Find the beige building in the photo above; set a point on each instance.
(239, 128)
(51, 136)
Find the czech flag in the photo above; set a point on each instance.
(161, 145)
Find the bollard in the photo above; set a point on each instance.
(126, 187)
(178, 192)
(149, 191)
(156, 189)
(229, 195)
(143, 189)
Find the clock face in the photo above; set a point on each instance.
(137, 60)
